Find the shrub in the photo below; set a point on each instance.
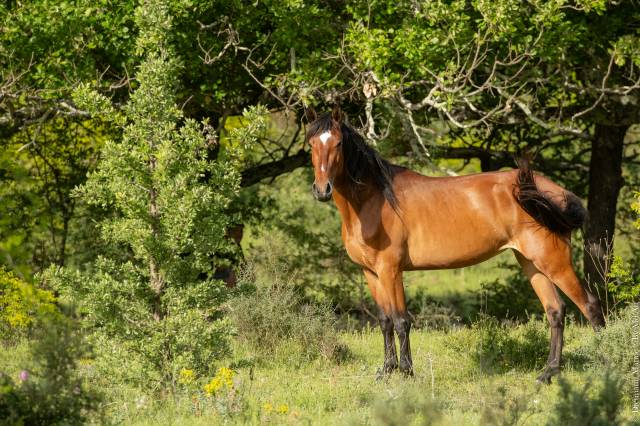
(273, 317)
(433, 315)
(624, 283)
(501, 348)
(614, 346)
(408, 408)
(22, 306)
(511, 298)
(115, 306)
(50, 391)
(154, 293)
(597, 402)
(509, 410)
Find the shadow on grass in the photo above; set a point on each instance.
(501, 348)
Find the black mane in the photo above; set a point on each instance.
(362, 163)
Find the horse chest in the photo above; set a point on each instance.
(357, 249)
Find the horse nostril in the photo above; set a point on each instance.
(314, 188)
(329, 188)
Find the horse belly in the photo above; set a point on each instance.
(454, 246)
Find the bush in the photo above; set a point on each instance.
(22, 306)
(509, 410)
(115, 305)
(501, 348)
(272, 317)
(614, 347)
(408, 408)
(429, 314)
(597, 402)
(50, 391)
(154, 293)
(511, 298)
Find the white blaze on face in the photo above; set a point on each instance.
(325, 137)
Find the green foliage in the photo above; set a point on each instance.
(38, 216)
(22, 306)
(635, 206)
(510, 298)
(272, 318)
(625, 281)
(407, 408)
(624, 284)
(162, 303)
(509, 409)
(434, 315)
(50, 390)
(614, 347)
(597, 402)
(500, 349)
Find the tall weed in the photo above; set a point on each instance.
(273, 318)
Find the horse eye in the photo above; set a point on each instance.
(338, 144)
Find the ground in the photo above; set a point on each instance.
(450, 385)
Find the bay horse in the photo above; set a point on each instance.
(395, 220)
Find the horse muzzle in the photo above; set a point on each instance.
(322, 194)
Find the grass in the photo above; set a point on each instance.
(448, 383)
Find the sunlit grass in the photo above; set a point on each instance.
(323, 392)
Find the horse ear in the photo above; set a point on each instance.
(336, 114)
(310, 114)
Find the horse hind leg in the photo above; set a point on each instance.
(588, 304)
(551, 255)
(555, 310)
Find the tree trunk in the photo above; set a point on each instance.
(155, 276)
(605, 181)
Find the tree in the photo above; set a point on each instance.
(157, 298)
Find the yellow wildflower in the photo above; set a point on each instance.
(223, 378)
(226, 376)
(283, 409)
(186, 376)
(213, 386)
(267, 407)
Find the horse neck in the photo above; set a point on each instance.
(347, 202)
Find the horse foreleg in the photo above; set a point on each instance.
(390, 356)
(402, 324)
(386, 322)
(391, 280)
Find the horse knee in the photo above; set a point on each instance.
(402, 324)
(555, 315)
(386, 323)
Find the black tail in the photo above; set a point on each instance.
(547, 213)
